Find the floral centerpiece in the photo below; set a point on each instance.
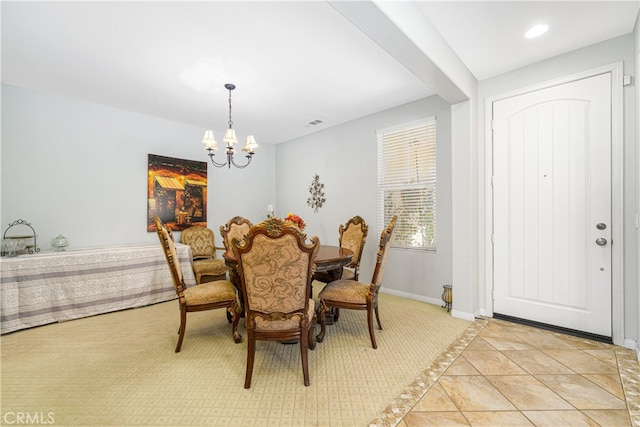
(295, 220)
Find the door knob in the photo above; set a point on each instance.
(601, 226)
(600, 241)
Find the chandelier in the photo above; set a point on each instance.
(230, 141)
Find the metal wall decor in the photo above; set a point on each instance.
(316, 189)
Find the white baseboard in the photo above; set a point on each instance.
(463, 315)
(435, 301)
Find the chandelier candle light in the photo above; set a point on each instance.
(230, 141)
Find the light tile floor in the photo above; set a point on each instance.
(516, 375)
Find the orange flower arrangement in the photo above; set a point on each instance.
(295, 220)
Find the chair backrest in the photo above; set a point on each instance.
(275, 266)
(353, 235)
(169, 248)
(201, 240)
(383, 251)
(236, 228)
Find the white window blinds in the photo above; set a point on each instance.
(407, 183)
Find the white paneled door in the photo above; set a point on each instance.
(552, 205)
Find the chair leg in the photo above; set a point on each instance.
(251, 354)
(323, 309)
(378, 318)
(370, 324)
(183, 326)
(336, 313)
(311, 332)
(304, 355)
(237, 338)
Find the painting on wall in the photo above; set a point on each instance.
(176, 192)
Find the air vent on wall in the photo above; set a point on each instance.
(314, 122)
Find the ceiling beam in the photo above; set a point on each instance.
(402, 29)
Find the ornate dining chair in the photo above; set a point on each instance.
(236, 228)
(275, 266)
(203, 247)
(354, 295)
(207, 296)
(353, 236)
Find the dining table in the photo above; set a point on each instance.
(329, 260)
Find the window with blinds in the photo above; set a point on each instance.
(407, 183)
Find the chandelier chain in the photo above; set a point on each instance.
(230, 121)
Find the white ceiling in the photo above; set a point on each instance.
(292, 62)
(488, 36)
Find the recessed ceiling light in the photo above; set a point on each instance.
(536, 31)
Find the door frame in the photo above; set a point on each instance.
(617, 188)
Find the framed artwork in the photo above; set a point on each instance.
(176, 192)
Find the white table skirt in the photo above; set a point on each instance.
(51, 287)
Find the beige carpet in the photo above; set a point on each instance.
(120, 369)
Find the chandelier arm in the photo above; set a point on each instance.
(216, 164)
(248, 156)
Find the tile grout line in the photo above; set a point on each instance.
(396, 411)
(625, 373)
(625, 364)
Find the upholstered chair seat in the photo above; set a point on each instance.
(210, 292)
(346, 290)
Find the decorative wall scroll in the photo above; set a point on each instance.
(316, 189)
(176, 192)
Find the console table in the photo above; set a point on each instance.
(50, 287)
